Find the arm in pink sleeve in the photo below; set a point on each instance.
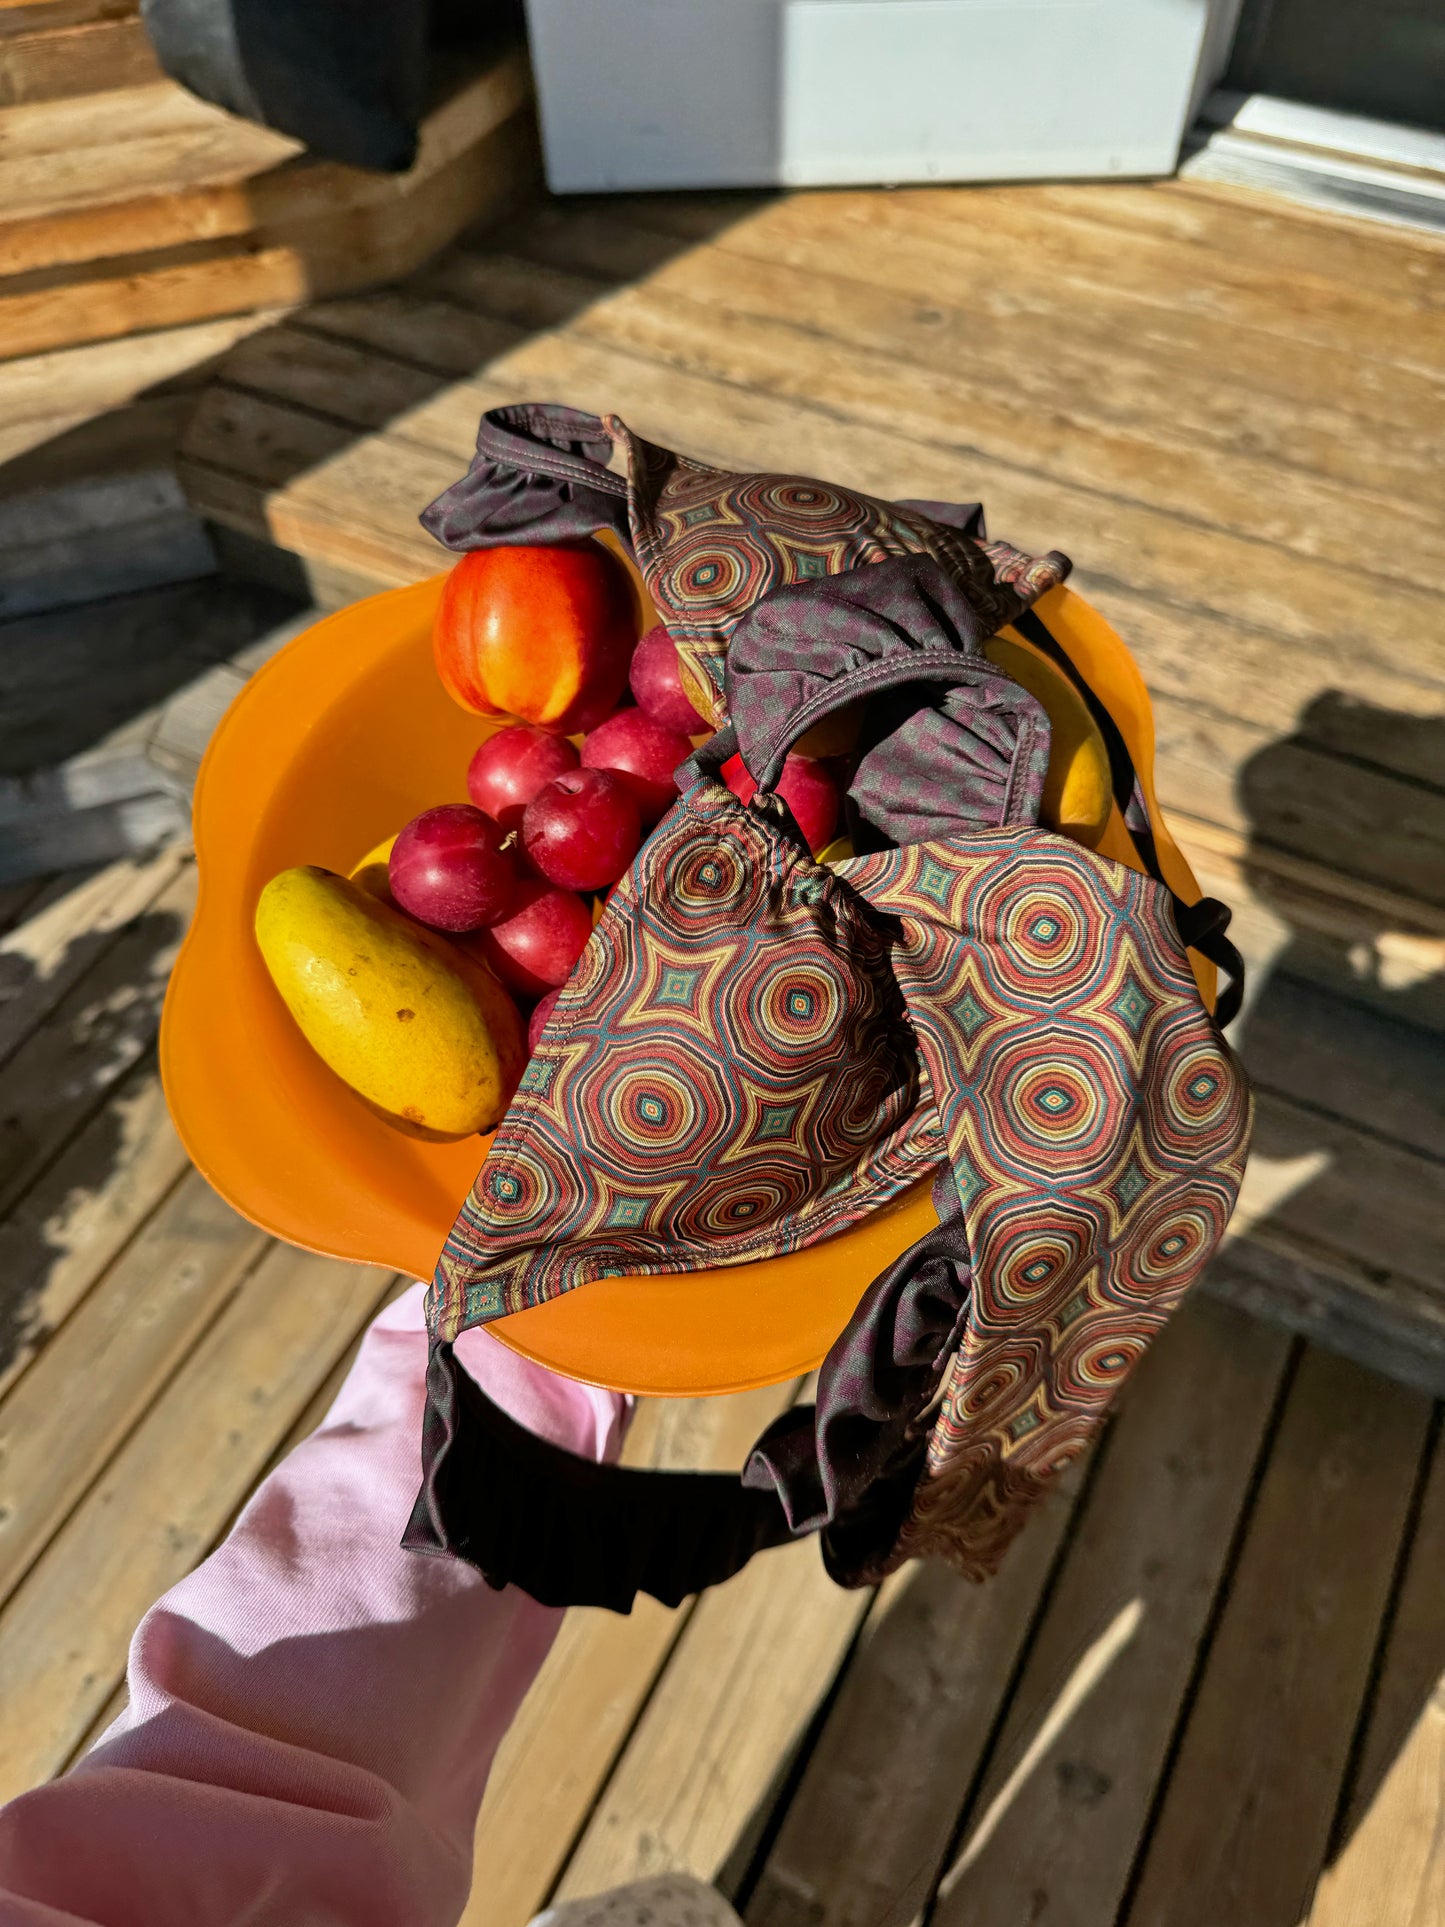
(313, 1712)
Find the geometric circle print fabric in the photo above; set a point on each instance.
(727, 1076)
(713, 544)
(1096, 1125)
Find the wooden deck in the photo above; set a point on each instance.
(1209, 1685)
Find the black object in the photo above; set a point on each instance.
(347, 77)
(572, 1533)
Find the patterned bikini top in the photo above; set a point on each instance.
(712, 543)
(756, 1050)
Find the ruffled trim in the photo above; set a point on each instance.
(953, 743)
(539, 475)
(573, 1533)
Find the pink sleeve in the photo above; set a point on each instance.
(313, 1712)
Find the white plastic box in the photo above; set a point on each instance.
(756, 93)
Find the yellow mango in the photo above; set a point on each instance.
(1078, 788)
(838, 851)
(426, 1036)
(372, 872)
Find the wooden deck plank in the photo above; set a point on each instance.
(484, 272)
(444, 336)
(346, 496)
(1043, 266)
(1387, 713)
(1266, 233)
(314, 1411)
(307, 368)
(351, 502)
(308, 479)
(973, 416)
(59, 940)
(1298, 918)
(150, 167)
(866, 1832)
(284, 449)
(1224, 662)
(53, 62)
(119, 149)
(163, 1498)
(1342, 1027)
(483, 276)
(1388, 1870)
(26, 16)
(1300, 596)
(16, 899)
(1359, 820)
(734, 1702)
(104, 1024)
(560, 1750)
(943, 269)
(105, 376)
(94, 269)
(67, 1229)
(159, 110)
(61, 1424)
(1319, 1050)
(1376, 323)
(1059, 1817)
(1042, 372)
(1262, 230)
(1195, 656)
(1247, 1809)
(100, 694)
(1361, 1198)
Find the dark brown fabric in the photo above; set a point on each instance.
(539, 475)
(573, 1533)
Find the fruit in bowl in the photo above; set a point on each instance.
(535, 949)
(511, 767)
(805, 786)
(583, 830)
(424, 1035)
(655, 678)
(537, 1022)
(643, 753)
(448, 869)
(542, 634)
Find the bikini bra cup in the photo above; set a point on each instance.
(711, 543)
(972, 996)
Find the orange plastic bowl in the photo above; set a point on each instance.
(339, 740)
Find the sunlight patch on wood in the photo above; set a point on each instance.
(1092, 1667)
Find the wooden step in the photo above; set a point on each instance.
(67, 47)
(113, 706)
(143, 207)
(89, 503)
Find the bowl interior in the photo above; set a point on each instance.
(338, 741)
(332, 746)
